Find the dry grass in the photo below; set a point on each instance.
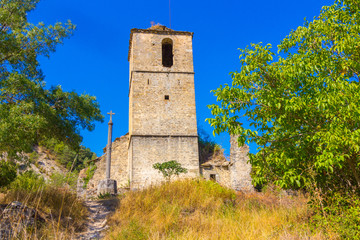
(63, 212)
(198, 209)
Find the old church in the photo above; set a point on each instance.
(162, 117)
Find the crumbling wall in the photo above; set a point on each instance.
(214, 164)
(222, 174)
(239, 167)
(119, 166)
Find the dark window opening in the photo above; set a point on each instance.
(148, 81)
(213, 177)
(166, 97)
(167, 52)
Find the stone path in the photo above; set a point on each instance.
(97, 220)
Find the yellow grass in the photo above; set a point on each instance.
(63, 212)
(199, 209)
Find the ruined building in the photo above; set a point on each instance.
(162, 114)
(235, 173)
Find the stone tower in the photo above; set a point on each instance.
(162, 114)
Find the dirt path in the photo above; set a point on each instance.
(97, 220)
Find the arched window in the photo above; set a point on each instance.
(167, 52)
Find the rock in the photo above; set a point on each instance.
(14, 217)
(107, 186)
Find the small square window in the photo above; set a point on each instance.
(167, 97)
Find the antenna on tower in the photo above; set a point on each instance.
(169, 15)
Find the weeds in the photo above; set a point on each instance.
(199, 209)
(63, 212)
(90, 171)
(104, 196)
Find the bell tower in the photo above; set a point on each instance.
(162, 114)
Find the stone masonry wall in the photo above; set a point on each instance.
(162, 113)
(145, 52)
(222, 174)
(119, 165)
(149, 112)
(152, 114)
(239, 168)
(149, 150)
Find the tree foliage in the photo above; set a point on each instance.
(206, 146)
(30, 112)
(303, 103)
(169, 169)
(74, 160)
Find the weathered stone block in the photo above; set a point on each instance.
(107, 186)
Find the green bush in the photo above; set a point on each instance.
(90, 171)
(339, 212)
(28, 181)
(7, 172)
(60, 180)
(206, 146)
(33, 157)
(74, 159)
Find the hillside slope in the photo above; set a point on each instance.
(199, 209)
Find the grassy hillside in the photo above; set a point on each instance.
(62, 214)
(198, 209)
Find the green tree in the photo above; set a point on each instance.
(68, 157)
(30, 112)
(169, 169)
(303, 103)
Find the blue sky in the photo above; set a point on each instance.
(94, 60)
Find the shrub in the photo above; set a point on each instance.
(68, 157)
(169, 169)
(64, 212)
(68, 180)
(29, 181)
(7, 172)
(206, 146)
(33, 157)
(340, 212)
(90, 171)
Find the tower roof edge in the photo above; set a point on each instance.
(157, 29)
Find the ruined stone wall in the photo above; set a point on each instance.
(239, 168)
(146, 151)
(222, 174)
(119, 165)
